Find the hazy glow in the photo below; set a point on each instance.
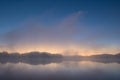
(65, 38)
(65, 50)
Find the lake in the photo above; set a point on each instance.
(60, 70)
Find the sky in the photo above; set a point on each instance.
(69, 27)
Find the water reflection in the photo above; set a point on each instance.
(63, 70)
(34, 61)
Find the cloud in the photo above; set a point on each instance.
(65, 36)
(33, 33)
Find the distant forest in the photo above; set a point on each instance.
(36, 58)
(29, 55)
(36, 54)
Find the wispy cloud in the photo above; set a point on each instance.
(66, 37)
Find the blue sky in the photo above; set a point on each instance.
(99, 20)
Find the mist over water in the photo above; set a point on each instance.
(66, 36)
(64, 70)
(59, 39)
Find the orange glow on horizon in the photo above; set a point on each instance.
(71, 50)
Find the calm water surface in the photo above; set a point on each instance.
(65, 70)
